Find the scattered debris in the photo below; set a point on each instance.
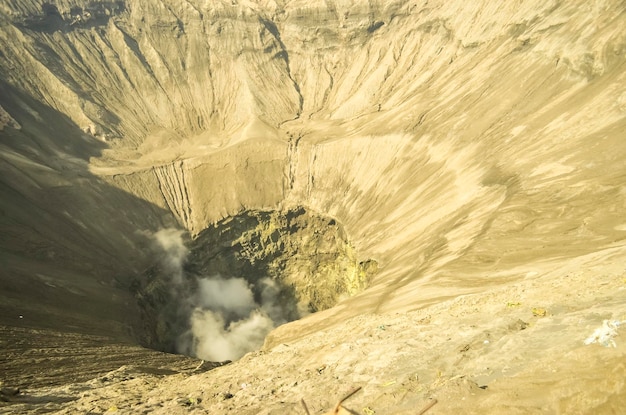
(511, 304)
(539, 312)
(424, 320)
(518, 325)
(604, 335)
(189, 401)
(338, 410)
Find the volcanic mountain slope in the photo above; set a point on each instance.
(474, 151)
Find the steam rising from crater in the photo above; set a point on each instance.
(217, 296)
(170, 241)
(224, 319)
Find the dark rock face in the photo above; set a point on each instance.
(302, 250)
(51, 19)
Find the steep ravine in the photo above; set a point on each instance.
(464, 159)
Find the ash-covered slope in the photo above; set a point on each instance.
(461, 145)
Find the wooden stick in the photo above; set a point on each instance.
(427, 407)
(305, 408)
(199, 366)
(349, 395)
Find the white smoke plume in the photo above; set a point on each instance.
(216, 341)
(231, 296)
(175, 252)
(224, 320)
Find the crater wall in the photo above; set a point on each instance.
(456, 143)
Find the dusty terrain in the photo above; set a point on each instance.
(494, 352)
(473, 151)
